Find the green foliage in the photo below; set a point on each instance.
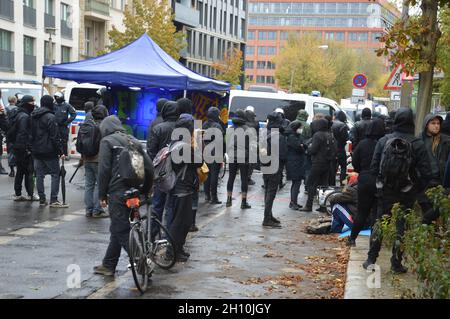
(230, 68)
(153, 17)
(444, 54)
(426, 247)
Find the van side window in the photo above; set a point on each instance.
(325, 109)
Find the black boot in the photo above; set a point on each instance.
(12, 173)
(229, 201)
(368, 262)
(351, 242)
(244, 204)
(215, 200)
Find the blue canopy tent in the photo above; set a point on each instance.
(142, 64)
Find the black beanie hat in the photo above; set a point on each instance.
(366, 113)
(47, 101)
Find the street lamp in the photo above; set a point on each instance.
(50, 31)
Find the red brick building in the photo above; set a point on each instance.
(357, 23)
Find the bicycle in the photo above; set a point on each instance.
(145, 251)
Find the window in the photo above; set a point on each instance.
(325, 109)
(329, 36)
(260, 79)
(272, 35)
(215, 19)
(243, 28)
(358, 36)
(271, 50)
(262, 35)
(250, 78)
(251, 35)
(211, 47)
(200, 45)
(339, 36)
(47, 53)
(224, 21)
(28, 3)
(205, 41)
(261, 65)
(249, 64)
(49, 7)
(231, 23)
(262, 50)
(270, 80)
(270, 65)
(236, 21)
(250, 50)
(206, 15)
(375, 36)
(65, 12)
(65, 54)
(28, 46)
(188, 40)
(200, 16)
(5, 41)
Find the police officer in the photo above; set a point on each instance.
(64, 114)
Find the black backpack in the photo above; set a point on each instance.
(395, 165)
(331, 147)
(131, 162)
(88, 140)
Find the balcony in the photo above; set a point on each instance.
(97, 9)
(66, 30)
(49, 20)
(6, 60)
(29, 16)
(186, 15)
(7, 9)
(29, 64)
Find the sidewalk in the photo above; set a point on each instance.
(358, 282)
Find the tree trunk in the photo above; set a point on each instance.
(428, 55)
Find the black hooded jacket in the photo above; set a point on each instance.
(113, 141)
(46, 142)
(213, 122)
(363, 153)
(159, 119)
(240, 122)
(404, 128)
(295, 152)
(323, 145)
(359, 131)
(161, 134)
(275, 121)
(19, 134)
(438, 160)
(340, 130)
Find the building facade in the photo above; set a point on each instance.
(25, 29)
(356, 23)
(211, 28)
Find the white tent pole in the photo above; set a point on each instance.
(185, 93)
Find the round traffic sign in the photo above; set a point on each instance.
(360, 80)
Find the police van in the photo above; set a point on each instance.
(265, 103)
(19, 88)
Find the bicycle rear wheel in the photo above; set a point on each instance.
(163, 248)
(138, 257)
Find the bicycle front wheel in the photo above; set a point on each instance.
(163, 249)
(138, 257)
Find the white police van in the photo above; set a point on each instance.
(19, 88)
(265, 103)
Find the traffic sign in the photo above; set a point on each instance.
(395, 79)
(359, 92)
(360, 81)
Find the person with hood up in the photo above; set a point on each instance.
(46, 149)
(271, 181)
(111, 189)
(252, 123)
(367, 192)
(240, 159)
(159, 137)
(438, 149)
(340, 133)
(295, 166)
(211, 182)
(11, 109)
(411, 185)
(88, 107)
(302, 117)
(322, 150)
(91, 200)
(159, 119)
(285, 126)
(358, 132)
(185, 105)
(187, 184)
(64, 115)
(19, 143)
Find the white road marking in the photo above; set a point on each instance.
(6, 239)
(68, 218)
(26, 231)
(48, 224)
(108, 288)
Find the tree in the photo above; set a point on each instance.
(412, 41)
(153, 17)
(230, 68)
(303, 67)
(444, 56)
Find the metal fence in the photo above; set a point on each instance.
(29, 16)
(7, 9)
(6, 60)
(29, 64)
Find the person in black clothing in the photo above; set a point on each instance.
(185, 186)
(295, 166)
(159, 137)
(420, 175)
(340, 133)
(446, 125)
(19, 137)
(64, 115)
(438, 149)
(159, 118)
(46, 150)
(240, 159)
(185, 105)
(3, 130)
(283, 158)
(323, 151)
(211, 183)
(271, 181)
(358, 131)
(253, 124)
(361, 160)
(111, 189)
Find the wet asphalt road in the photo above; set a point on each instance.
(232, 255)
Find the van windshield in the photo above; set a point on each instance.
(79, 96)
(265, 106)
(7, 92)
